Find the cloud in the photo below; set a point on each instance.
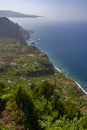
(54, 9)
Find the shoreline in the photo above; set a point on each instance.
(57, 69)
(80, 87)
(72, 79)
(63, 72)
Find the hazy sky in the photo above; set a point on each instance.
(54, 9)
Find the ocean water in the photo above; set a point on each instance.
(65, 43)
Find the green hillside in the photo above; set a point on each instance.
(35, 96)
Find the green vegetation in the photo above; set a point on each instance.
(35, 96)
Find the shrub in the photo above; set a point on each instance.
(2, 104)
(71, 110)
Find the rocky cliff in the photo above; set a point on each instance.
(13, 30)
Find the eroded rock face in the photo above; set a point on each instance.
(10, 29)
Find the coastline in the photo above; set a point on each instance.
(57, 69)
(80, 87)
(62, 71)
(73, 80)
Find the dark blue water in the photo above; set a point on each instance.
(65, 44)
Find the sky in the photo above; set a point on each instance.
(52, 9)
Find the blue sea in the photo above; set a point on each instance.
(65, 43)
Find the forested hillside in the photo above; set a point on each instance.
(33, 94)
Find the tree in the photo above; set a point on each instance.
(25, 103)
(47, 89)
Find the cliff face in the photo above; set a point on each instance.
(25, 33)
(10, 29)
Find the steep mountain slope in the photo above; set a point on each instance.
(33, 94)
(31, 90)
(13, 30)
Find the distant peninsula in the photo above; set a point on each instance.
(13, 14)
